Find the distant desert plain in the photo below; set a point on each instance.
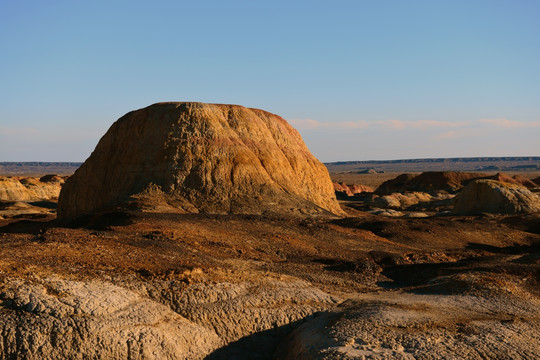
(209, 231)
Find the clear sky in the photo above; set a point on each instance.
(359, 79)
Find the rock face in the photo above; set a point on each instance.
(496, 197)
(197, 157)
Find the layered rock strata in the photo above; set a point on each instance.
(197, 157)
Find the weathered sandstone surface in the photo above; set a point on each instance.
(30, 189)
(488, 319)
(138, 285)
(196, 157)
(54, 318)
(493, 196)
(62, 319)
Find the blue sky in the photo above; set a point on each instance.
(360, 79)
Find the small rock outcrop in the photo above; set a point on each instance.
(516, 179)
(359, 189)
(343, 191)
(524, 181)
(493, 196)
(428, 181)
(195, 157)
(29, 189)
(394, 185)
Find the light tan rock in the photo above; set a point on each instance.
(497, 320)
(54, 318)
(48, 190)
(11, 189)
(234, 310)
(493, 196)
(64, 319)
(412, 198)
(28, 189)
(386, 212)
(387, 202)
(201, 158)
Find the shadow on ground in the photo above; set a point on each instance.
(258, 346)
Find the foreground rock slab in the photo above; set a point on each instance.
(500, 325)
(62, 319)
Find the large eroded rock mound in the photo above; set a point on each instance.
(197, 157)
(493, 196)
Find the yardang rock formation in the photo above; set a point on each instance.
(197, 157)
(493, 196)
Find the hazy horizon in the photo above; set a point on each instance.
(359, 80)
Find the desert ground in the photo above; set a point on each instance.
(393, 274)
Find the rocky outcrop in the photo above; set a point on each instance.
(359, 189)
(52, 178)
(427, 182)
(343, 191)
(449, 181)
(29, 189)
(11, 189)
(493, 196)
(387, 202)
(234, 310)
(440, 180)
(394, 185)
(196, 157)
(64, 319)
(479, 324)
(55, 318)
(516, 179)
(402, 201)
